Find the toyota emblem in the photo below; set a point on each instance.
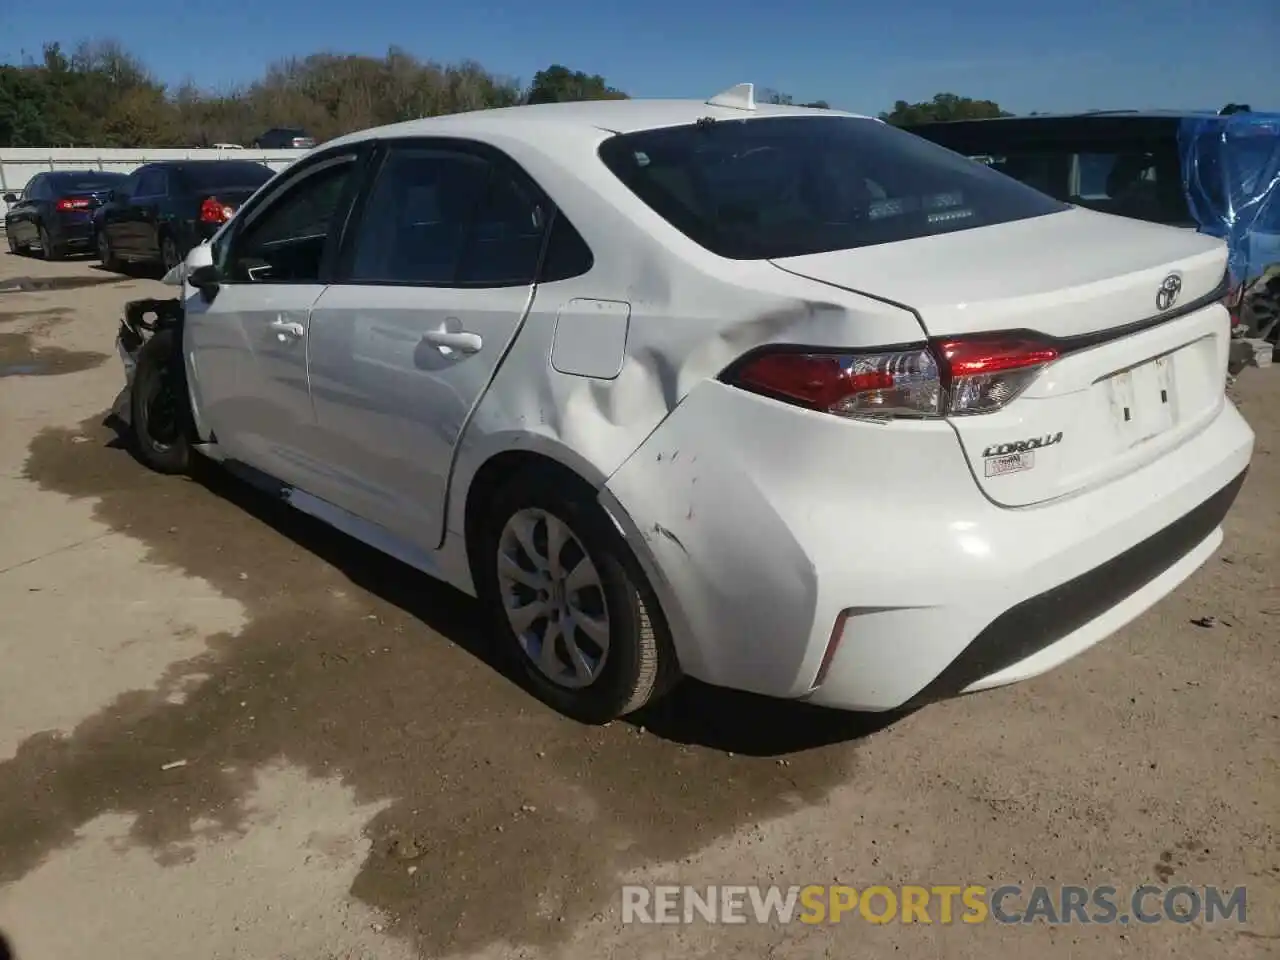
(1167, 295)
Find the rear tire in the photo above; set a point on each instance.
(636, 664)
(106, 253)
(48, 249)
(159, 408)
(169, 255)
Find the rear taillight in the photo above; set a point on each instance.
(212, 210)
(983, 374)
(956, 377)
(67, 204)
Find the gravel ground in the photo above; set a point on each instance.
(228, 732)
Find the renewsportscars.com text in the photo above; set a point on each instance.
(938, 904)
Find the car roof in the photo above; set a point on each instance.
(200, 164)
(1093, 118)
(584, 119)
(69, 174)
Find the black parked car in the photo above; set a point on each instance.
(164, 209)
(55, 211)
(285, 138)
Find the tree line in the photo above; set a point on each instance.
(99, 94)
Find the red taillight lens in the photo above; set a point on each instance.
(983, 374)
(214, 211)
(73, 203)
(876, 386)
(954, 377)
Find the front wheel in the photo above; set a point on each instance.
(12, 241)
(569, 602)
(159, 409)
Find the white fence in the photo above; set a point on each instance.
(19, 164)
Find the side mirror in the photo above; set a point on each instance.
(204, 277)
(10, 198)
(198, 270)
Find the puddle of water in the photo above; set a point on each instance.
(30, 284)
(19, 358)
(516, 820)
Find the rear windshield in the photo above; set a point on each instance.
(227, 174)
(787, 186)
(86, 182)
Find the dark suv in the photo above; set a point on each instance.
(285, 138)
(1217, 173)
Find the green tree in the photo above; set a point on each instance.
(24, 108)
(100, 94)
(944, 106)
(558, 83)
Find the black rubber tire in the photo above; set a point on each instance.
(12, 242)
(167, 448)
(48, 249)
(107, 255)
(640, 665)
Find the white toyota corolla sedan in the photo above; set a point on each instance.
(783, 399)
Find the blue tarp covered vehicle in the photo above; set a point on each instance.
(1231, 176)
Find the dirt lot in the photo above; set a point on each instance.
(226, 732)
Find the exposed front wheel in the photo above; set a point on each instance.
(570, 603)
(12, 242)
(159, 408)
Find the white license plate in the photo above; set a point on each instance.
(1143, 400)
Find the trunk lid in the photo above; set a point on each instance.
(1129, 385)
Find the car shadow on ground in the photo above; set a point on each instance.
(133, 271)
(694, 713)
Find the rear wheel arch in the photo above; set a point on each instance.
(642, 663)
(494, 474)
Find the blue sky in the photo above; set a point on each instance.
(1025, 54)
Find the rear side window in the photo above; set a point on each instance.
(788, 186)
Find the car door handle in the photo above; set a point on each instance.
(462, 342)
(287, 330)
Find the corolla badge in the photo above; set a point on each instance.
(1167, 295)
(1022, 446)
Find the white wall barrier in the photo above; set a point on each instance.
(19, 164)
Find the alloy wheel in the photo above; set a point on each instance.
(553, 598)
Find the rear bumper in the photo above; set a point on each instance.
(1021, 641)
(72, 229)
(872, 547)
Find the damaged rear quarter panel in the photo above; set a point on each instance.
(691, 314)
